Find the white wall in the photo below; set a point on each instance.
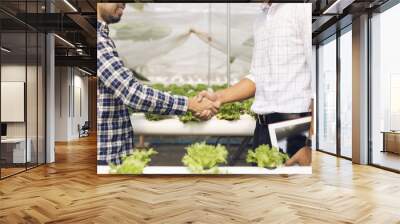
(80, 83)
(33, 126)
(69, 81)
(14, 73)
(61, 103)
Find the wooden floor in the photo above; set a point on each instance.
(69, 191)
(387, 159)
(10, 171)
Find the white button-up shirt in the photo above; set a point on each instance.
(281, 63)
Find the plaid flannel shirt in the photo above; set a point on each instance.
(117, 90)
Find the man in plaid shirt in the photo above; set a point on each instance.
(118, 90)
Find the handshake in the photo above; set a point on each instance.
(205, 105)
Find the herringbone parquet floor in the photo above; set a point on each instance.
(69, 191)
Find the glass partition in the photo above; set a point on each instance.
(327, 96)
(22, 88)
(14, 153)
(346, 93)
(385, 89)
(31, 97)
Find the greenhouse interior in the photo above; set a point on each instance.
(184, 49)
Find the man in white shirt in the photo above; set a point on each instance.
(280, 74)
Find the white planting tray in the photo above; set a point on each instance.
(213, 127)
(223, 170)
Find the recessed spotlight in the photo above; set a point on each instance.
(70, 5)
(5, 50)
(84, 71)
(337, 7)
(64, 40)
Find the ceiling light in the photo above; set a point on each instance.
(70, 5)
(337, 7)
(5, 50)
(64, 40)
(84, 71)
(79, 51)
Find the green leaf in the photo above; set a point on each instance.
(203, 158)
(219, 87)
(134, 163)
(155, 117)
(188, 117)
(159, 86)
(267, 157)
(230, 111)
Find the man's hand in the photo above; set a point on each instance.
(205, 107)
(302, 157)
(242, 90)
(208, 95)
(207, 114)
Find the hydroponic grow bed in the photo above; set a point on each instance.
(223, 170)
(213, 127)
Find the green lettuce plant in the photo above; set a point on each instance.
(188, 117)
(267, 157)
(155, 117)
(229, 111)
(134, 163)
(203, 158)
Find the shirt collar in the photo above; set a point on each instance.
(267, 7)
(102, 27)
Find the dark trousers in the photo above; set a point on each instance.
(261, 133)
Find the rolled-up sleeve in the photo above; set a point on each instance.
(250, 76)
(125, 87)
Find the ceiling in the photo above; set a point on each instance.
(332, 15)
(73, 21)
(76, 23)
